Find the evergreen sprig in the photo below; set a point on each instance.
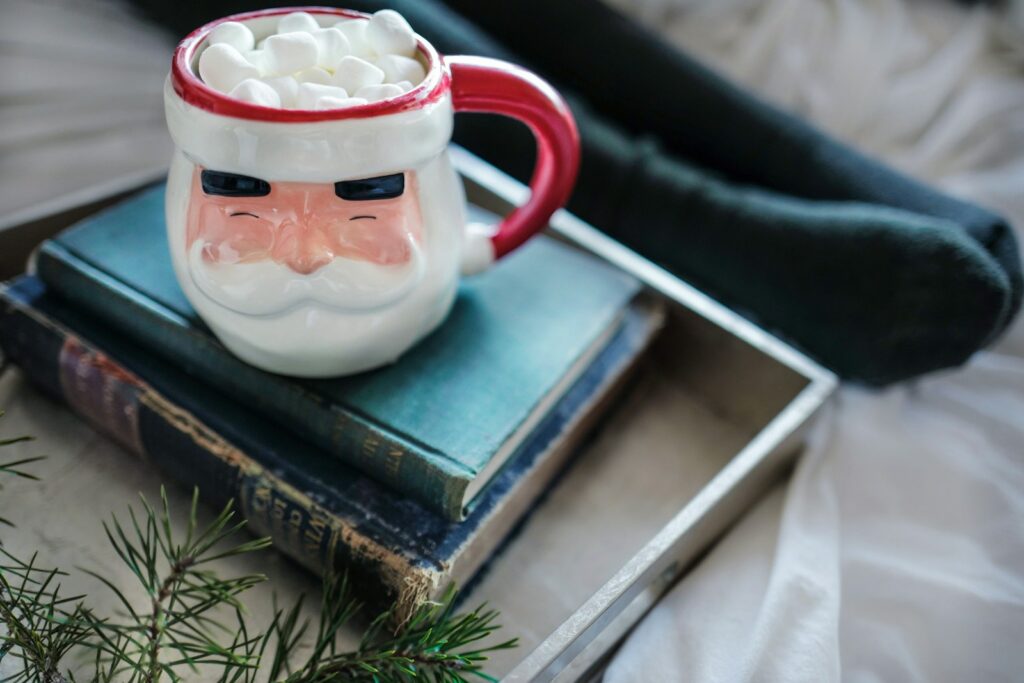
(40, 630)
(433, 645)
(185, 619)
(15, 468)
(175, 628)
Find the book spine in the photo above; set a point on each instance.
(429, 477)
(121, 405)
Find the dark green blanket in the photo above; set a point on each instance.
(876, 275)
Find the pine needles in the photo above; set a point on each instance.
(176, 628)
(184, 621)
(40, 630)
(14, 468)
(433, 645)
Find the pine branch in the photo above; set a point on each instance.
(435, 644)
(176, 630)
(40, 631)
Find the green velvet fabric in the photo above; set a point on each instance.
(872, 273)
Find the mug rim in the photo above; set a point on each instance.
(190, 88)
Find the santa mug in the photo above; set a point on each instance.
(319, 243)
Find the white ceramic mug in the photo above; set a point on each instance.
(319, 243)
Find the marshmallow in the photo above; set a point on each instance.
(286, 87)
(329, 102)
(222, 67)
(314, 75)
(354, 73)
(388, 33)
(355, 31)
(234, 34)
(290, 52)
(397, 68)
(307, 66)
(374, 93)
(309, 93)
(257, 92)
(258, 58)
(331, 45)
(297, 21)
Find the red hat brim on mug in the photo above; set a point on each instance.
(217, 131)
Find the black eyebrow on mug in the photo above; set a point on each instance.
(381, 187)
(233, 185)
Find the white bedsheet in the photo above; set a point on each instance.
(896, 551)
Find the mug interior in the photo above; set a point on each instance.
(263, 23)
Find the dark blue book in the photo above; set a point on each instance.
(440, 423)
(318, 510)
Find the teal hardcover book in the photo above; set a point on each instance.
(438, 424)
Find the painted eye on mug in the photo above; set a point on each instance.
(381, 187)
(233, 185)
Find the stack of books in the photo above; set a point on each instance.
(410, 476)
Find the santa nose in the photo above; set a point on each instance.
(303, 249)
(309, 261)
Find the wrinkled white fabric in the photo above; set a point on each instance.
(896, 551)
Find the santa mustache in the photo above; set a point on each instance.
(266, 287)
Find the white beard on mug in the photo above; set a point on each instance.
(265, 287)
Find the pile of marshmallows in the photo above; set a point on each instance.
(306, 66)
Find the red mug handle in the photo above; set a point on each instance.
(481, 84)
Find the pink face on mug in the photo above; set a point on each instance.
(263, 248)
(304, 226)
